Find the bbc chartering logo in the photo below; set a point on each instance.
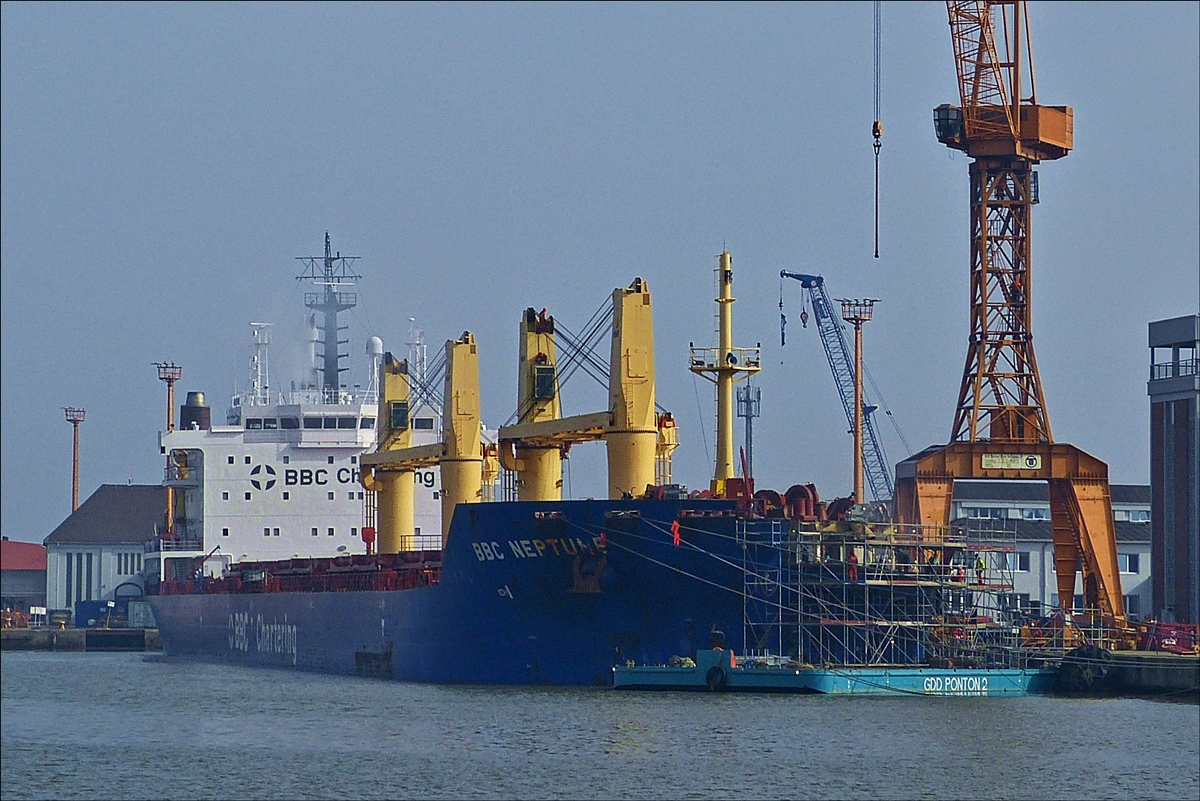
(262, 477)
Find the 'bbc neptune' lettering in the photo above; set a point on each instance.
(534, 549)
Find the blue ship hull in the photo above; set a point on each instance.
(530, 593)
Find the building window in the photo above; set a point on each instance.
(1018, 562)
(287, 496)
(247, 496)
(139, 562)
(1120, 514)
(1129, 562)
(314, 531)
(1132, 605)
(231, 460)
(331, 496)
(70, 587)
(1139, 515)
(274, 532)
(224, 532)
(224, 496)
(266, 531)
(1035, 514)
(331, 532)
(329, 459)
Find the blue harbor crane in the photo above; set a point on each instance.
(875, 463)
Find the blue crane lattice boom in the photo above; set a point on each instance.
(875, 463)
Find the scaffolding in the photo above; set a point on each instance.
(860, 593)
(884, 594)
(769, 607)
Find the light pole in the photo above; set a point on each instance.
(856, 312)
(75, 417)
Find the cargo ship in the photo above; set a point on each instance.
(535, 588)
(530, 588)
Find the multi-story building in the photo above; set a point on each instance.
(1174, 389)
(1019, 511)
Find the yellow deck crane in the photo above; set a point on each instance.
(1001, 426)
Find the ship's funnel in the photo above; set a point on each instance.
(632, 436)
(194, 414)
(462, 458)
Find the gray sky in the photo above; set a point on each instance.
(162, 165)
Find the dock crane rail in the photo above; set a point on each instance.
(875, 461)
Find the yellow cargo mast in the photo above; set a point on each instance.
(388, 470)
(638, 439)
(724, 365)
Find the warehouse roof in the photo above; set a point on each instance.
(114, 513)
(22, 555)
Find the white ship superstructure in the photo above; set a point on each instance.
(280, 479)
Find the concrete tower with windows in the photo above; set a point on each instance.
(1174, 389)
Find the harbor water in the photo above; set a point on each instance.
(135, 726)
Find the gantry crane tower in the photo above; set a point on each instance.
(1001, 426)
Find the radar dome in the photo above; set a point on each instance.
(374, 346)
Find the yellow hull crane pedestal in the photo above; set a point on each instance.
(1001, 426)
(389, 469)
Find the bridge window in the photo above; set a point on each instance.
(254, 424)
(329, 422)
(367, 422)
(270, 424)
(312, 422)
(289, 423)
(347, 423)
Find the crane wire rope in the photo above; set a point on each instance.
(877, 125)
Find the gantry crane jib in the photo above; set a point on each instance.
(993, 61)
(875, 463)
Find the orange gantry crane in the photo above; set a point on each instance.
(1001, 426)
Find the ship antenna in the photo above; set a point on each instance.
(331, 274)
